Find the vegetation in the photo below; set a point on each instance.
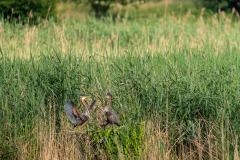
(27, 9)
(174, 81)
(101, 7)
(150, 9)
(226, 5)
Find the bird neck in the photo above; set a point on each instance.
(108, 105)
(84, 105)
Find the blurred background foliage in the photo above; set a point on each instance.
(21, 9)
(225, 5)
(101, 7)
(34, 9)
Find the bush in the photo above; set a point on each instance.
(27, 8)
(101, 7)
(225, 5)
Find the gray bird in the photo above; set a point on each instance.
(112, 118)
(73, 113)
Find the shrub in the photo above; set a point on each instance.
(101, 7)
(27, 8)
(225, 5)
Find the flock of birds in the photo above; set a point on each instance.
(79, 119)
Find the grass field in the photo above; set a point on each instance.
(174, 81)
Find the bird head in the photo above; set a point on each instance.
(82, 97)
(108, 95)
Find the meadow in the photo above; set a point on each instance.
(174, 81)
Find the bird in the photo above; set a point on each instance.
(112, 118)
(73, 113)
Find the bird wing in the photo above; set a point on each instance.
(110, 117)
(72, 112)
(84, 119)
(91, 105)
(116, 119)
(113, 118)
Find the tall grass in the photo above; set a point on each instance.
(174, 81)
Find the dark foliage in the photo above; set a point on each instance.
(225, 5)
(101, 7)
(22, 9)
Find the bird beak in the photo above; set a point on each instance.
(84, 97)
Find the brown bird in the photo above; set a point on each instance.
(73, 113)
(112, 118)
